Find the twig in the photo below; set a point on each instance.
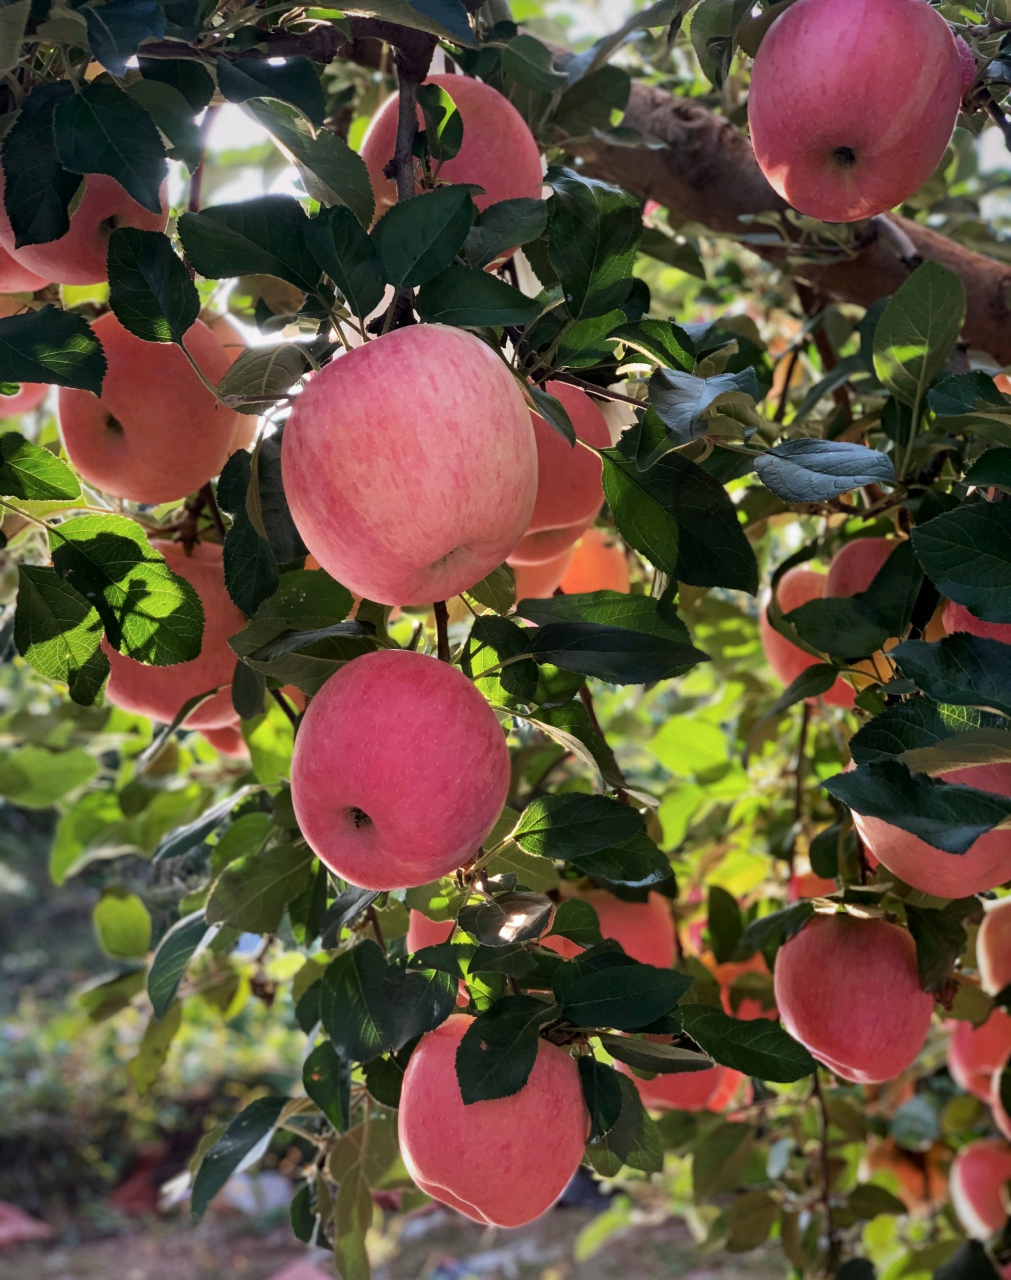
(208, 499)
(791, 364)
(893, 234)
(798, 792)
(442, 630)
(286, 707)
(826, 1171)
(401, 167)
(604, 392)
(373, 920)
(999, 119)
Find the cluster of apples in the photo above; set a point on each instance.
(987, 863)
(851, 106)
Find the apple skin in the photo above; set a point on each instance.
(538, 581)
(29, 397)
(986, 864)
(710, 1090)
(993, 947)
(80, 256)
(228, 741)
(850, 991)
(170, 434)
(570, 491)
(645, 930)
(749, 1008)
(410, 465)
(855, 566)
(498, 151)
(399, 772)
(958, 618)
(808, 885)
(502, 1161)
(978, 1173)
(851, 106)
(796, 587)
(598, 563)
(159, 692)
(422, 932)
(974, 1053)
(234, 342)
(15, 278)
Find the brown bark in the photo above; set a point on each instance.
(707, 173)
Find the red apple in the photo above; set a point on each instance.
(710, 1090)
(645, 930)
(159, 692)
(974, 1053)
(850, 991)
(852, 105)
(599, 563)
(538, 581)
(749, 1008)
(15, 278)
(808, 885)
(400, 770)
(156, 433)
(29, 397)
(855, 566)
(796, 587)
(958, 618)
(945, 875)
(228, 741)
(993, 947)
(979, 1174)
(79, 257)
(422, 932)
(569, 488)
(502, 1161)
(410, 465)
(499, 153)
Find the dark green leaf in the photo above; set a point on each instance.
(576, 920)
(772, 930)
(326, 1077)
(635, 865)
(150, 290)
(961, 669)
(51, 346)
(810, 470)
(503, 226)
(497, 1053)
(837, 625)
(725, 923)
(608, 1153)
(940, 940)
(917, 331)
(759, 1048)
(117, 27)
(564, 826)
(186, 76)
(992, 468)
(592, 234)
(675, 253)
(903, 727)
(601, 1093)
(170, 960)
(252, 892)
(660, 340)
(37, 188)
(647, 614)
(627, 998)
(266, 236)
(613, 654)
(248, 1132)
(966, 553)
(295, 80)
(528, 62)
(681, 400)
(472, 299)
(343, 249)
(418, 238)
(101, 129)
(353, 1003)
(510, 917)
(648, 1055)
(553, 412)
(970, 1262)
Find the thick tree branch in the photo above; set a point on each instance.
(707, 173)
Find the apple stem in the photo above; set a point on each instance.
(442, 630)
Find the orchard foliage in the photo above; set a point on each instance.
(654, 765)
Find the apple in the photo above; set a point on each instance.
(599, 563)
(502, 1161)
(945, 875)
(422, 932)
(29, 397)
(79, 257)
(855, 566)
(750, 1007)
(710, 1090)
(974, 1053)
(156, 433)
(851, 106)
(538, 581)
(993, 947)
(159, 692)
(399, 772)
(14, 278)
(228, 741)
(958, 618)
(410, 465)
(796, 587)
(806, 884)
(645, 930)
(498, 153)
(849, 990)
(979, 1174)
(570, 492)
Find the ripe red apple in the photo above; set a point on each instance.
(979, 1173)
(400, 770)
(850, 991)
(645, 930)
(228, 741)
(569, 488)
(499, 153)
(502, 1161)
(958, 618)
(538, 581)
(945, 875)
(598, 563)
(15, 278)
(29, 397)
(710, 1090)
(851, 105)
(855, 566)
(796, 587)
(808, 885)
(159, 692)
(749, 1008)
(422, 932)
(974, 1053)
(410, 465)
(79, 257)
(156, 433)
(993, 947)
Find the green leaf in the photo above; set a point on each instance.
(101, 129)
(577, 921)
(725, 923)
(592, 234)
(838, 626)
(528, 62)
(266, 236)
(992, 468)
(418, 238)
(117, 27)
(614, 654)
(243, 1142)
(189, 78)
(661, 340)
(961, 750)
(122, 923)
(502, 226)
(34, 778)
(497, 590)
(601, 1093)
(510, 917)
(295, 80)
(150, 290)
(759, 1048)
(470, 298)
(442, 136)
(940, 940)
(564, 826)
(352, 1003)
(13, 20)
(447, 19)
(51, 346)
(966, 553)
(266, 373)
(817, 470)
(947, 815)
(149, 1059)
(750, 1218)
(149, 613)
(326, 1077)
(626, 997)
(174, 953)
(498, 1050)
(660, 1059)
(344, 250)
(608, 1153)
(253, 891)
(331, 172)
(918, 330)
(553, 412)
(30, 472)
(59, 633)
(37, 188)
(961, 669)
(772, 930)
